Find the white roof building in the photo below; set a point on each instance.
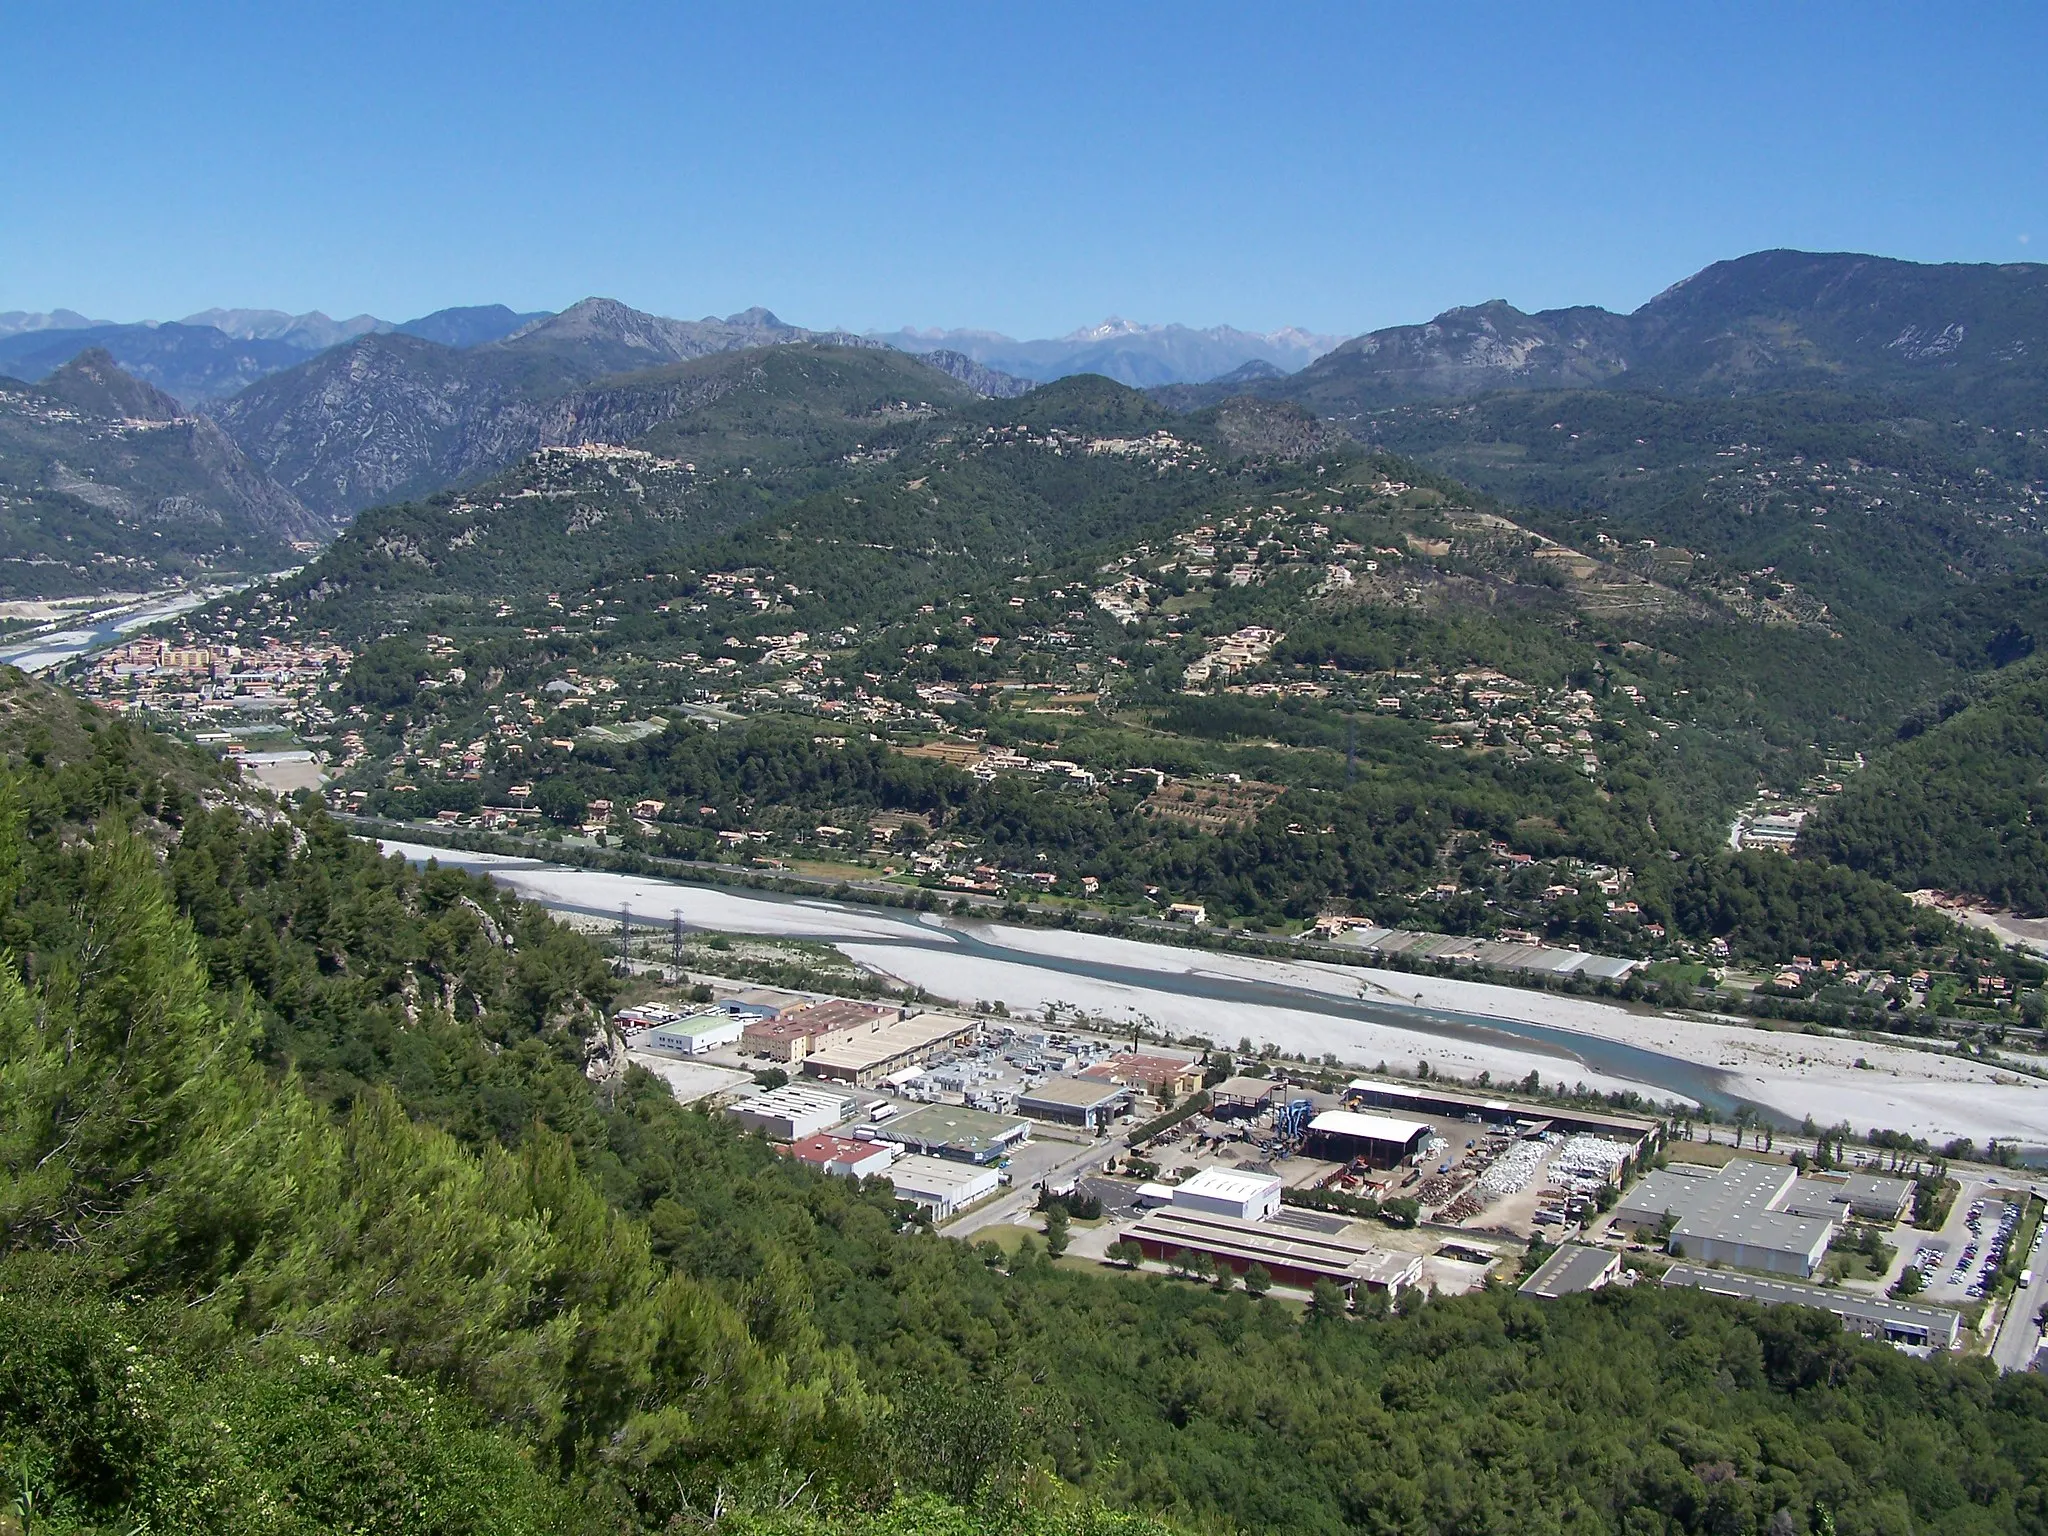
(791, 1113)
(942, 1185)
(1343, 1134)
(695, 1034)
(1247, 1196)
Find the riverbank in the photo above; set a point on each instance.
(1794, 1074)
(1362, 1016)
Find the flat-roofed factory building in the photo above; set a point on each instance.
(694, 1034)
(941, 1185)
(1570, 1270)
(956, 1132)
(1150, 1072)
(1082, 1101)
(1292, 1256)
(795, 1033)
(1839, 1196)
(1735, 1215)
(1875, 1317)
(791, 1112)
(1342, 1135)
(871, 1051)
(1223, 1192)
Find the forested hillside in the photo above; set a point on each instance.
(107, 483)
(392, 416)
(1956, 338)
(1961, 804)
(322, 1207)
(827, 582)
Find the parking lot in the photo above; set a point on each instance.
(1958, 1265)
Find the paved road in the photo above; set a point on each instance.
(2019, 1336)
(1067, 1160)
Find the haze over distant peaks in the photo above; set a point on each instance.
(219, 352)
(312, 331)
(470, 325)
(14, 322)
(1143, 356)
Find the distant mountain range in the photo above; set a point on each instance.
(345, 414)
(1974, 337)
(1142, 356)
(219, 352)
(392, 415)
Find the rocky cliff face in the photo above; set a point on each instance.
(991, 383)
(105, 481)
(395, 416)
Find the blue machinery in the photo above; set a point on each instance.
(1291, 1122)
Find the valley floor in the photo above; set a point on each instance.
(1363, 1017)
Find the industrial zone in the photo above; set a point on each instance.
(1377, 1186)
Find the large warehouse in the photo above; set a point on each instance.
(796, 1032)
(941, 1185)
(1735, 1215)
(695, 1033)
(1573, 1268)
(1839, 1196)
(1247, 1196)
(1291, 1255)
(1875, 1317)
(870, 1053)
(1074, 1101)
(953, 1131)
(791, 1113)
(1342, 1134)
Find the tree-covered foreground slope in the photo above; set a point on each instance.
(317, 1213)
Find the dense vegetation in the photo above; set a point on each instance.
(901, 549)
(1958, 805)
(317, 1211)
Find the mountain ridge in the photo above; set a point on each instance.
(1133, 354)
(107, 481)
(393, 416)
(1973, 335)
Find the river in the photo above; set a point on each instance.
(1353, 1013)
(96, 629)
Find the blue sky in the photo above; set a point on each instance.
(1026, 169)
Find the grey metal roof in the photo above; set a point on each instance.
(1860, 1192)
(1744, 1203)
(1073, 1092)
(1572, 1268)
(1941, 1326)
